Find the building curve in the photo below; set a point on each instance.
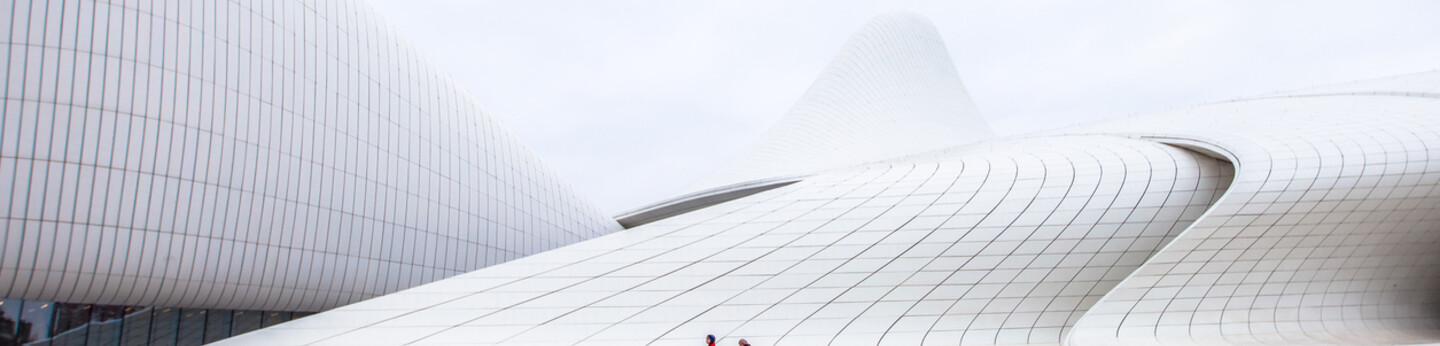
(298, 156)
(288, 155)
(1306, 217)
(1328, 234)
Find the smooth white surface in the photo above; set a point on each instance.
(277, 155)
(386, 176)
(1328, 235)
(1004, 244)
(1096, 234)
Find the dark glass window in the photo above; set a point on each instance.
(64, 324)
(217, 325)
(245, 321)
(276, 317)
(192, 327)
(137, 328)
(163, 323)
(9, 321)
(105, 325)
(35, 320)
(70, 316)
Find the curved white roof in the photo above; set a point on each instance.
(1307, 217)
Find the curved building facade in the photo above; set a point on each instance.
(1327, 236)
(275, 155)
(1306, 217)
(964, 246)
(298, 156)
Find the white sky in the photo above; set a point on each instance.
(633, 100)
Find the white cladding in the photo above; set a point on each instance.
(1329, 234)
(299, 155)
(1307, 217)
(1003, 244)
(267, 155)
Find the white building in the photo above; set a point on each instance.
(208, 156)
(880, 210)
(330, 165)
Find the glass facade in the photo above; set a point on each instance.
(55, 324)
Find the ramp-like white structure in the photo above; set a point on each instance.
(1329, 234)
(1307, 217)
(292, 156)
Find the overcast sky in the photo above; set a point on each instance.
(633, 100)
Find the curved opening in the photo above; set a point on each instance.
(1224, 185)
(1203, 148)
(699, 200)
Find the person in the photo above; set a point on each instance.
(744, 343)
(710, 340)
